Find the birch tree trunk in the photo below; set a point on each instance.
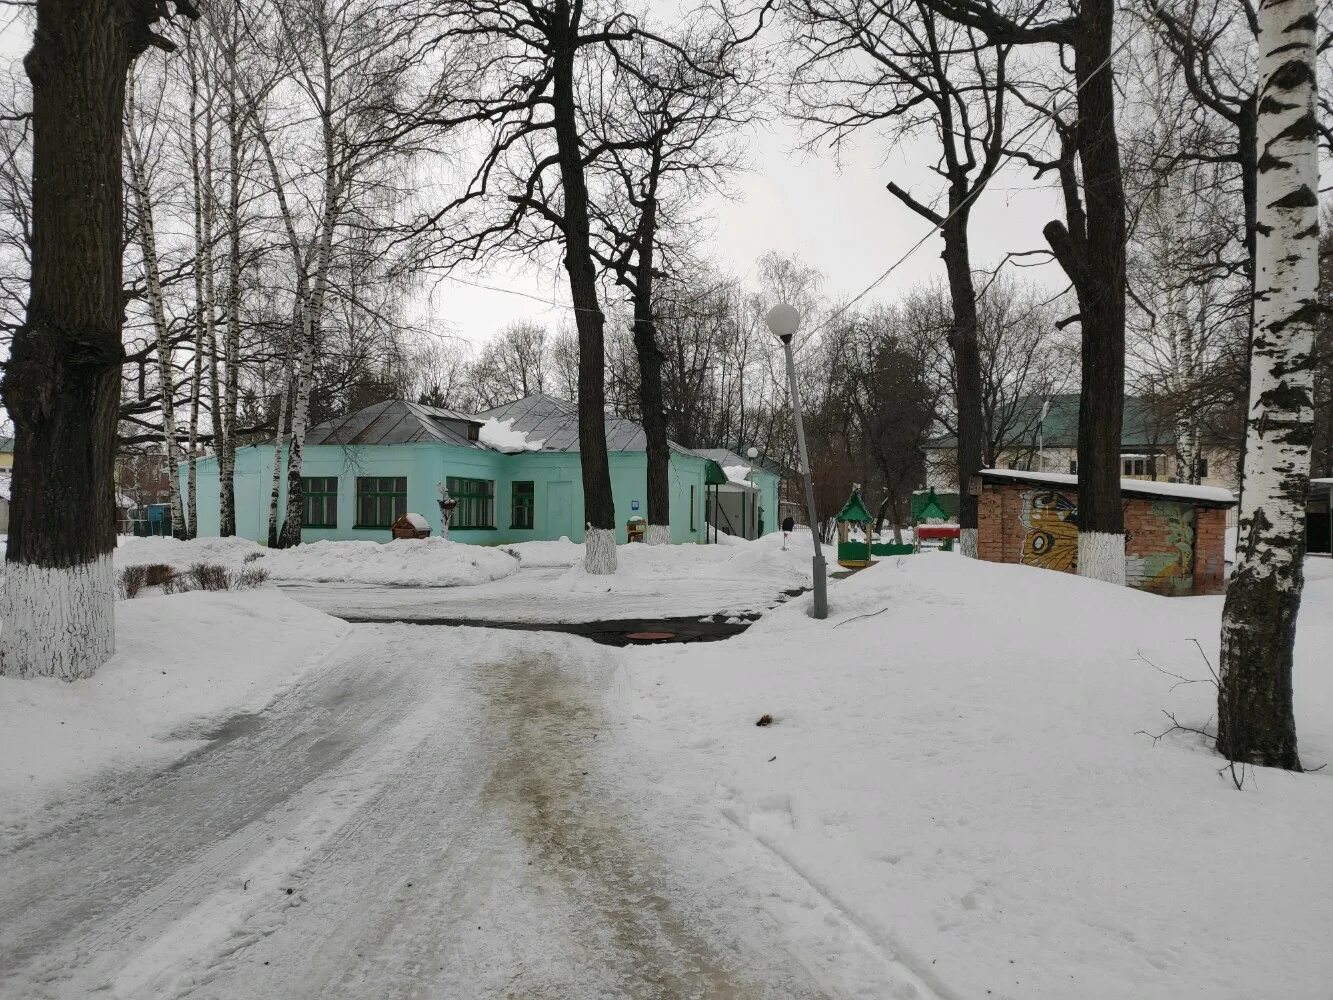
(279, 439)
(203, 262)
(1256, 721)
(143, 205)
(313, 312)
(232, 344)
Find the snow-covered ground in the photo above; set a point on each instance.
(955, 800)
(652, 581)
(405, 562)
(183, 664)
(958, 761)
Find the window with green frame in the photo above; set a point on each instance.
(476, 502)
(321, 501)
(525, 502)
(380, 500)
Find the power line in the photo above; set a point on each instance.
(936, 227)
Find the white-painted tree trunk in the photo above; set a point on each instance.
(58, 622)
(279, 439)
(1256, 718)
(313, 309)
(657, 534)
(203, 261)
(1101, 556)
(599, 551)
(166, 367)
(967, 542)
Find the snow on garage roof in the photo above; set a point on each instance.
(1212, 496)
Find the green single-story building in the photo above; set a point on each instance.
(513, 470)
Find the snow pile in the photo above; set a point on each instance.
(739, 474)
(405, 562)
(179, 669)
(1146, 487)
(417, 521)
(229, 552)
(500, 435)
(957, 762)
(533, 555)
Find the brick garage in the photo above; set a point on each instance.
(1175, 534)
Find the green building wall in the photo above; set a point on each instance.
(556, 476)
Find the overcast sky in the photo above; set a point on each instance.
(838, 218)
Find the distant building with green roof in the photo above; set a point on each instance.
(1031, 440)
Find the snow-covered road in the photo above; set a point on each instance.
(441, 813)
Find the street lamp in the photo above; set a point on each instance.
(783, 320)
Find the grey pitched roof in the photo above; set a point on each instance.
(555, 423)
(395, 422)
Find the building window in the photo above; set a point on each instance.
(321, 501)
(476, 502)
(1073, 466)
(694, 523)
(380, 500)
(524, 505)
(1201, 465)
(1139, 466)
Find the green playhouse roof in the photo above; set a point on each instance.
(854, 509)
(928, 505)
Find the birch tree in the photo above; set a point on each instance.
(140, 188)
(62, 384)
(1256, 720)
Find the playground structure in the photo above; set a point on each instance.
(931, 529)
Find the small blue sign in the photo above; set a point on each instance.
(634, 505)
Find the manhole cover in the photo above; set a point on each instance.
(650, 636)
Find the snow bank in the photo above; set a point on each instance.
(533, 555)
(500, 435)
(958, 764)
(406, 562)
(230, 552)
(182, 664)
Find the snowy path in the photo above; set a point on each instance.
(438, 813)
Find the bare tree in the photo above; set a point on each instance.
(1089, 244)
(902, 69)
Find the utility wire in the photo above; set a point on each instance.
(936, 227)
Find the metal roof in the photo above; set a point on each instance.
(555, 423)
(396, 421)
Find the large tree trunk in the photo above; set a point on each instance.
(651, 408)
(62, 384)
(967, 362)
(598, 505)
(1256, 722)
(1095, 262)
(203, 260)
(166, 367)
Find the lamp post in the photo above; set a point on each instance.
(783, 320)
